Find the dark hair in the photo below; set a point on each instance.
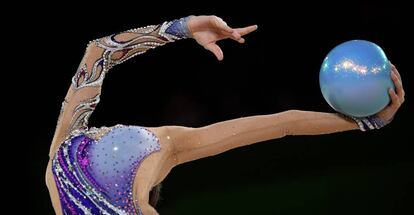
(154, 195)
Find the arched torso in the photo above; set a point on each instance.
(150, 172)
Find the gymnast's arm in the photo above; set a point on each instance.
(100, 56)
(195, 143)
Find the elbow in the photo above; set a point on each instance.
(288, 119)
(92, 48)
(92, 52)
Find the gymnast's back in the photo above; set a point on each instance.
(94, 170)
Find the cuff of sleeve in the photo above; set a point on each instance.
(179, 28)
(369, 122)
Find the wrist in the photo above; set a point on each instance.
(180, 28)
(370, 122)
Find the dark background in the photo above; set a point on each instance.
(276, 69)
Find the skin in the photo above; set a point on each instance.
(183, 144)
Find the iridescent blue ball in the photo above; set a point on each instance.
(355, 78)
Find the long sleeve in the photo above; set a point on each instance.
(101, 55)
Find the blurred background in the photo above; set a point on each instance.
(277, 69)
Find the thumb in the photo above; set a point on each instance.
(215, 49)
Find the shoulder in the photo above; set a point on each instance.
(171, 136)
(172, 133)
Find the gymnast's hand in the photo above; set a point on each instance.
(397, 97)
(207, 30)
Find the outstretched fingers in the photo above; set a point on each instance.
(246, 30)
(233, 33)
(239, 32)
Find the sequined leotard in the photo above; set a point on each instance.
(94, 168)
